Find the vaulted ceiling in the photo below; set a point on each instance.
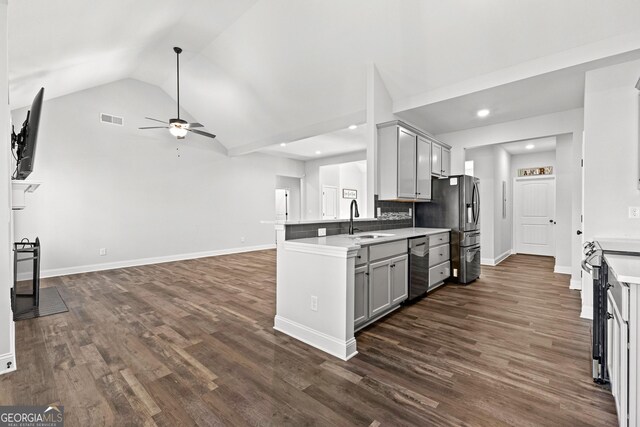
(253, 70)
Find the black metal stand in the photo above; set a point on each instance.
(33, 250)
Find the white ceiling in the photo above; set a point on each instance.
(253, 70)
(539, 145)
(330, 144)
(543, 94)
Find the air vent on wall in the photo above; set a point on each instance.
(112, 120)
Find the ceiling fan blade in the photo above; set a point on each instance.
(156, 120)
(155, 127)
(195, 125)
(203, 133)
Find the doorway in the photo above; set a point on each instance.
(329, 202)
(534, 204)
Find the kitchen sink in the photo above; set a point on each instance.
(372, 235)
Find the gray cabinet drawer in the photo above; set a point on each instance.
(386, 250)
(438, 254)
(438, 273)
(362, 257)
(438, 239)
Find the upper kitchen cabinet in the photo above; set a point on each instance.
(405, 162)
(440, 160)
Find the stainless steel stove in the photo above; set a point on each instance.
(595, 264)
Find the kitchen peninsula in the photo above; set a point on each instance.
(323, 282)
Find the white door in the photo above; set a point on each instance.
(534, 213)
(282, 204)
(329, 202)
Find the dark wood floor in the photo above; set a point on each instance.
(191, 343)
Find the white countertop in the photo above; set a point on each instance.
(348, 242)
(618, 244)
(625, 267)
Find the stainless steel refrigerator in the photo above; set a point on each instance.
(455, 204)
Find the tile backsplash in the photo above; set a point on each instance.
(392, 215)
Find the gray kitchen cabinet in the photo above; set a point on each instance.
(399, 270)
(440, 160)
(361, 296)
(406, 164)
(423, 169)
(446, 162)
(381, 283)
(379, 287)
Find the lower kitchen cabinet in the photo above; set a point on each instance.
(379, 287)
(399, 279)
(361, 296)
(382, 284)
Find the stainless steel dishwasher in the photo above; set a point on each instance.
(418, 267)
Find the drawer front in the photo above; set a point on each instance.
(438, 273)
(386, 250)
(438, 239)
(438, 254)
(362, 257)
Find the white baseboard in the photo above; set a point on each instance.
(142, 261)
(344, 350)
(562, 269)
(495, 261)
(587, 312)
(575, 284)
(5, 359)
(502, 257)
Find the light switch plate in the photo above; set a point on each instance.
(322, 232)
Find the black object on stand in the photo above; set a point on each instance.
(32, 249)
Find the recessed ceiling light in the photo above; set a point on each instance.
(483, 113)
(282, 144)
(352, 127)
(318, 152)
(530, 147)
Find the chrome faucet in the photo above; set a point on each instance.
(354, 204)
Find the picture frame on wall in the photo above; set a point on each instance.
(544, 170)
(349, 194)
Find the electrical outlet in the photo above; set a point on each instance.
(410, 212)
(322, 232)
(103, 251)
(314, 303)
(634, 212)
(242, 240)
(379, 211)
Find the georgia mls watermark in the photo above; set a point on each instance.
(32, 416)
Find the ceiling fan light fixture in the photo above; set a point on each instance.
(178, 132)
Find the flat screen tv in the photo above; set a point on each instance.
(25, 142)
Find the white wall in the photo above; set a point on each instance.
(312, 187)
(492, 166)
(610, 156)
(503, 227)
(483, 165)
(141, 194)
(564, 214)
(6, 317)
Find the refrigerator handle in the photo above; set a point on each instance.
(473, 203)
(476, 204)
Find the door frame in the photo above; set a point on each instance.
(337, 201)
(515, 206)
(287, 202)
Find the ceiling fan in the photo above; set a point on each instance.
(178, 127)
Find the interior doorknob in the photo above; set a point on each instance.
(578, 232)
